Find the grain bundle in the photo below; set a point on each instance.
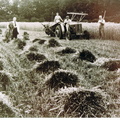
(40, 41)
(61, 78)
(47, 66)
(80, 102)
(4, 81)
(1, 65)
(87, 55)
(67, 50)
(112, 65)
(33, 48)
(21, 44)
(53, 43)
(33, 56)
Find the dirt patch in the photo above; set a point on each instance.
(87, 55)
(53, 43)
(67, 50)
(112, 65)
(61, 79)
(33, 56)
(47, 66)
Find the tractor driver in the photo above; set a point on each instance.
(67, 22)
(57, 18)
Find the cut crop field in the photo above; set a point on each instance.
(59, 78)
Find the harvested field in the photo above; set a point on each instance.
(27, 89)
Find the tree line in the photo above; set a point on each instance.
(45, 10)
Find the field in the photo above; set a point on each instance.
(26, 88)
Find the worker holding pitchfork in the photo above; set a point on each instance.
(101, 22)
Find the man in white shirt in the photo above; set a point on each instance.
(101, 22)
(13, 28)
(67, 22)
(57, 18)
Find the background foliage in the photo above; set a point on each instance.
(45, 10)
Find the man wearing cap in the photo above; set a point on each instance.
(101, 22)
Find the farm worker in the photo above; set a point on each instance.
(101, 22)
(67, 22)
(15, 28)
(57, 18)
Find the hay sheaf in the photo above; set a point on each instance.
(33, 48)
(1, 65)
(87, 55)
(62, 78)
(34, 56)
(53, 43)
(67, 50)
(47, 66)
(21, 44)
(40, 41)
(80, 102)
(4, 81)
(112, 65)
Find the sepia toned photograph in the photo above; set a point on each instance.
(59, 58)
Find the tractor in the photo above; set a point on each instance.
(74, 28)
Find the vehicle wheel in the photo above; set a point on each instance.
(69, 35)
(58, 32)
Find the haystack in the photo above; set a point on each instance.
(25, 36)
(53, 43)
(62, 78)
(81, 102)
(112, 65)
(21, 44)
(87, 55)
(33, 56)
(47, 66)
(40, 41)
(4, 81)
(1, 65)
(67, 50)
(33, 48)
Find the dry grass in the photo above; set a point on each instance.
(28, 92)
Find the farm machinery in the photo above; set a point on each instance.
(73, 29)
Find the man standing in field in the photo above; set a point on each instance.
(101, 22)
(13, 28)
